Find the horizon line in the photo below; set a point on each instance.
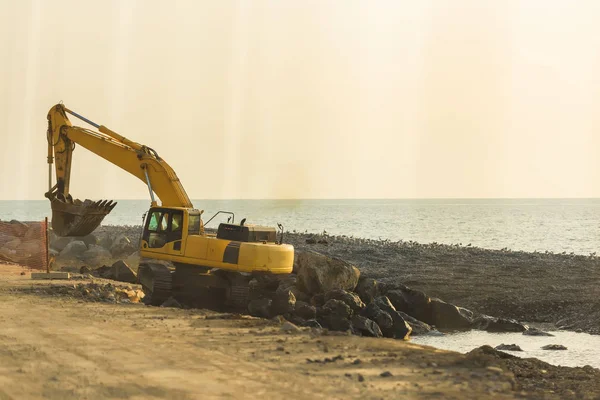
(355, 198)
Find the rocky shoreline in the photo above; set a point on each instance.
(554, 290)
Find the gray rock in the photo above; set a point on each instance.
(122, 245)
(120, 271)
(508, 347)
(73, 249)
(351, 299)
(305, 310)
(400, 329)
(95, 253)
(335, 322)
(365, 326)
(90, 240)
(337, 308)
(412, 302)
(448, 316)
(60, 243)
(382, 318)
(418, 327)
(260, 308)
(318, 273)
(536, 332)
(493, 324)
(554, 347)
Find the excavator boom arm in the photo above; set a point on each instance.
(139, 160)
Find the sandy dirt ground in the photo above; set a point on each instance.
(58, 347)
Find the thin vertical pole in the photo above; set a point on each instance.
(47, 245)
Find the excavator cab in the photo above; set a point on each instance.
(168, 228)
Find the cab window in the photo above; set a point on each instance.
(164, 222)
(177, 223)
(194, 224)
(154, 218)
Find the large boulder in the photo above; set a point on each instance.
(418, 327)
(73, 249)
(382, 318)
(400, 329)
(448, 316)
(493, 324)
(412, 302)
(336, 307)
(334, 315)
(305, 310)
(365, 326)
(284, 302)
(335, 323)
(318, 273)
(95, 253)
(12, 244)
(260, 308)
(16, 228)
(351, 299)
(122, 245)
(31, 247)
(120, 271)
(59, 243)
(90, 240)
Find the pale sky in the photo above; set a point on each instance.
(311, 99)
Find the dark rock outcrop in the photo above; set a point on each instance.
(260, 308)
(508, 347)
(447, 316)
(365, 326)
(305, 310)
(493, 324)
(381, 318)
(351, 299)
(400, 328)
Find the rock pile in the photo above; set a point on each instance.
(97, 292)
(23, 243)
(105, 246)
(328, 292)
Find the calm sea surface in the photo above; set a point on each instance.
(519, 224)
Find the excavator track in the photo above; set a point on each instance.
(157, 283)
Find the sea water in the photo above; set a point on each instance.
(557, 225)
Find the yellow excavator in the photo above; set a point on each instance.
(201, 269)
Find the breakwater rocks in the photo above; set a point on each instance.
(323, 291)
(540, 287)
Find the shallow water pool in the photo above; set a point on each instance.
(582, 348)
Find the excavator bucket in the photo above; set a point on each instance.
(78, 218)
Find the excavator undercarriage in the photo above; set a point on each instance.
(194, 286)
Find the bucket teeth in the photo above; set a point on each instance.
(78, 218)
